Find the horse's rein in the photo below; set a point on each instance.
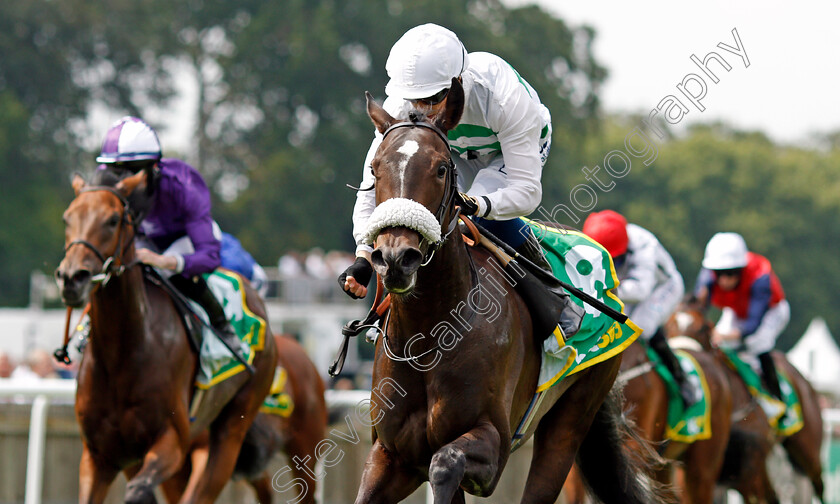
(448, 199)
(112, 264)
(108, 265)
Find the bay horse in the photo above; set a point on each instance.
(752, 437)
(647, 403)
(455, 368)
(296, 435)
(137, 375)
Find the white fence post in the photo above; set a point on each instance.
(35, 452)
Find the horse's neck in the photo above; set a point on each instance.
(446, 277)
(117, 314)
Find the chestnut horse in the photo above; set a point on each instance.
(137, 374)
(647, 405)
(454, 371)
(752, 437)
(296, 435)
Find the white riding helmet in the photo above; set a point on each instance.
(424, 61)
(129, 139)
(725, 251)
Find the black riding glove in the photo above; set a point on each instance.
(360, 270)
(468, 204)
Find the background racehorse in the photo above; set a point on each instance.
(456, 367)
(752, 437)
(647, 405)
(137, 375)
(295, 435)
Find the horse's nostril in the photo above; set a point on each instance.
(377, 259)
(80, 277)
(410, 260)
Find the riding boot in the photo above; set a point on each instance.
(532, 250)
(571, 315)
(663, 350)
(196, 288)
(768, 371)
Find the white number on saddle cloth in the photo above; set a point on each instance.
(584, 265)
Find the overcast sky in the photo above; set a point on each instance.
(790, 90)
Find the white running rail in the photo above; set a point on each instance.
(42, 392)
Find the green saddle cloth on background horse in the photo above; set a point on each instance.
(685, 425)
(785, 416)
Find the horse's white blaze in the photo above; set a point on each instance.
(684, 321)
(408, 149)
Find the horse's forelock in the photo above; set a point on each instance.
(140, 202)
(415, 115)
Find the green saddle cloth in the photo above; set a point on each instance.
(785, 416)
(685, 425)
(579, 260)
(216, 363)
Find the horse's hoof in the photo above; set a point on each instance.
(139, 494)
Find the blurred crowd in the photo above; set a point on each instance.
(38, 364)
(311, 276)
(314, 263)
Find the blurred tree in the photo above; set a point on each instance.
(281, 125)
(296, 78)
(781, 199)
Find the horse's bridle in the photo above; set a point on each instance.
(112, 265)
(448, 200)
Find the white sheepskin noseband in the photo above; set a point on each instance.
(403, 212)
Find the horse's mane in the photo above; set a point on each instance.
(140, 201)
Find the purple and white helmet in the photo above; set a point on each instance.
(129, 139)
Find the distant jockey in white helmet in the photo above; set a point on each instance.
(499, 147)
(755, 311)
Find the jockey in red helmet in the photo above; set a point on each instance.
(650, 285)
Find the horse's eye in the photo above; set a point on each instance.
(441, 171)
(113, 221)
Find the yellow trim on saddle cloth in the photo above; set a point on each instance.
(673, 433)
(260, 334)
(612, 352)
(260, 345)
(278, 387)
(608, 337)
(569, 362)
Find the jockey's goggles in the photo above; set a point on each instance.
(434, 99)
(728, 272)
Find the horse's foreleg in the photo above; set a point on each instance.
(472, 461)
(574, 490)
(161, 462)
(385, 480)
(94, 480)
(302, 447)
(262, 487)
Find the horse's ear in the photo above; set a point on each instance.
(451, 116)
(128, 185)
(78, 183)
(381, 119)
